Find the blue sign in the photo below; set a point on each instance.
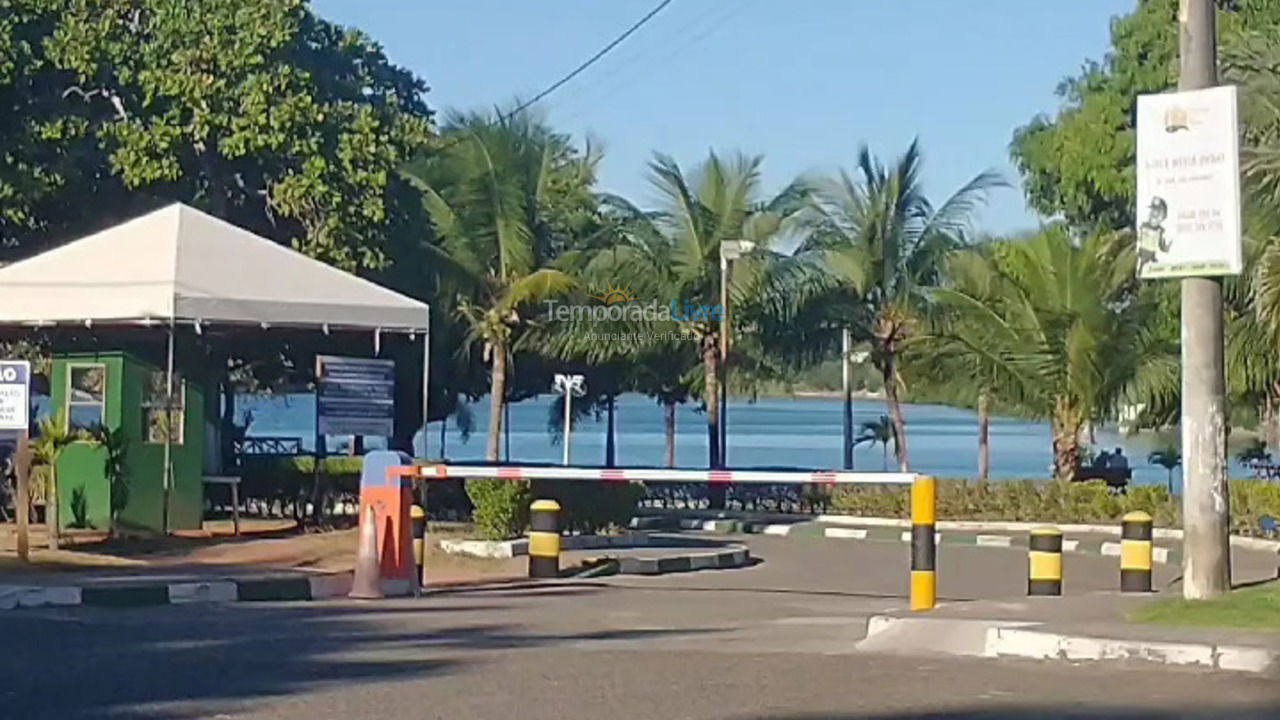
(355, 396)
(15, 394)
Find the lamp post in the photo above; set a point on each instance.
(730, 250)
(570, 386)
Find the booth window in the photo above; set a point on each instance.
(86, 396)
(153, 402)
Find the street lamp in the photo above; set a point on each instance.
(730, 250)
(570, 386)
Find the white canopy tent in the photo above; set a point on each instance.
(178, 266)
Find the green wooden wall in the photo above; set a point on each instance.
(81, 478)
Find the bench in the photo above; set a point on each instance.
(234, 482)
(1116, 479)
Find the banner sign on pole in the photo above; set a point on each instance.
(15, 394)
(355, 396)
(1188, 212)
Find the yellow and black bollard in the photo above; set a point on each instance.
(1044, 571)
(924, 551)
(418, 525)
(1135, 552)
(544, 539)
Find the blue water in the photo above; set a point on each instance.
(803, 432)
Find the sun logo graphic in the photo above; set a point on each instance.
(613, 295)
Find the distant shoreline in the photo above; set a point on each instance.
(826, 395)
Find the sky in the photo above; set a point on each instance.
(805, 83)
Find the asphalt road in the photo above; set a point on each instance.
(772, 641)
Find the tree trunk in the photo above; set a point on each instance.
(610, 443)
(711, 395)
(497, 401)
(1065, 426)
(51, 507)
(895, 410)
(669, 421)
(984, 430)
(1170, 481)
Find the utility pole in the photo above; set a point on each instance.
(1205, 507)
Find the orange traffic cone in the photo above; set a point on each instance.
(367, 582)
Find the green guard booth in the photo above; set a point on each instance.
(124, 393)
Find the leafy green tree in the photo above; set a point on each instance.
(1054, 320)
(1079, 163)
(256, 111)
(883, 244)
(496, 195)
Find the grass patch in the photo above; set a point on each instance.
(1255, 608)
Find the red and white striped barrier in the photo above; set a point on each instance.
(656, 475)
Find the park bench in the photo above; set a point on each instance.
(1117, 480)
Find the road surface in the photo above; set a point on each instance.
(772, 641)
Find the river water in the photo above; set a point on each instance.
(797, 432)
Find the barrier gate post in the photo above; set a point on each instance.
(924, 550)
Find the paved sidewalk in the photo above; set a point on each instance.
(1089, 626)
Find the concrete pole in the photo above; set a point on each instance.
(1205, 506)
(568, 421)
(725, 329)
(846, 380)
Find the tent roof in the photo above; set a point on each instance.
(180, 264)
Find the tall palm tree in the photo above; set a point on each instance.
(878, 431)
(883, 243)
(720, 200)
(1168, 458)
(1052, 319)
(497, 193)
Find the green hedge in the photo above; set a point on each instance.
(1055, 502)
(502, 506)
(591, 507)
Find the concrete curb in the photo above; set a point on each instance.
(1004, 639)
(731, 557)
(654, 517)
(140, 593)
(520, 546)
(887, 532)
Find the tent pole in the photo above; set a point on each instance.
(426, 393)
(168, 430)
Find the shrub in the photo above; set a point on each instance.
(591, 507)
(501, 507)
(1018, 500)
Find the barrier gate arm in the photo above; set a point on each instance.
(924, 549)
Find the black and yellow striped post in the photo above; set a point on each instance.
(544, 539)
(1135, 552)
(1044, 556)
(924, 551)
(418, 524)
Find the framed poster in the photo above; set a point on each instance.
(1188, 213)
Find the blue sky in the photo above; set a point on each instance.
(802, 82)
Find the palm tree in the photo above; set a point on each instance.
(878, 431)
(498, 194)
(1167, 458)
(680, 242)
(1052, 320)
(53, 436)
(883, 242)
